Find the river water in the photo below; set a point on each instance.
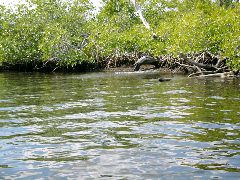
(113, 125)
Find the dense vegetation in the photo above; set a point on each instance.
(66, 34)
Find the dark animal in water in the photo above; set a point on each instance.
(164, 79)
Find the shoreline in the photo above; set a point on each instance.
(195, 64)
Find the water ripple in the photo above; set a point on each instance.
(118, 126)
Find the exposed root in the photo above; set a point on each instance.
(202, 64)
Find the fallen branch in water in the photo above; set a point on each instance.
(207, 72)
(222, 75)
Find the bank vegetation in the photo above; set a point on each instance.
(53, 35)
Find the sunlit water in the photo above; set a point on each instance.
(118, 126)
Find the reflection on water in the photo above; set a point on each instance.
(118, 125)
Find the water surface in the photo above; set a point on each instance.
(118, 126)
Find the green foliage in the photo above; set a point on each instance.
(68, 33)
(44, 30)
